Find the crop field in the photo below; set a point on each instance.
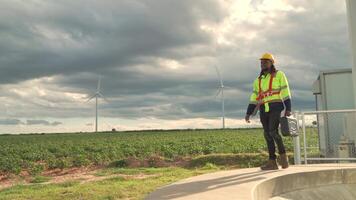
(36, 153)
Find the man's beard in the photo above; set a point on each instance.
(265, 70)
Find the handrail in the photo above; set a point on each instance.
(328, 111)
(304, 132)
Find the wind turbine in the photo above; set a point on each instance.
(96, 95)
(221, 91)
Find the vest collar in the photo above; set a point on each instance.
(265, 75)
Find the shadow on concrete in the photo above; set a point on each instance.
(184, 189)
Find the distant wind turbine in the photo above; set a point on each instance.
(96, 96)
(221, 91)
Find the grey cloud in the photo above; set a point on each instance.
(123, 40)
(10, 122)
(42, 122)
(28, 122)
(57, 39)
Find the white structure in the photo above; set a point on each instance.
(96, 96)
(221, 91)
(351, 15)
(333, 127)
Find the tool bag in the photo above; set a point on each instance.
(288, 125)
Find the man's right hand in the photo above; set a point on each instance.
(247, 118)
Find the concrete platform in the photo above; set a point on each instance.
(311, 181)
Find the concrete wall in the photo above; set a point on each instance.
(305, 180)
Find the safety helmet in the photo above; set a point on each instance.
(267, 56)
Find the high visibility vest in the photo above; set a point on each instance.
(270, 88)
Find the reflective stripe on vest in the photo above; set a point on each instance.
(268, 93)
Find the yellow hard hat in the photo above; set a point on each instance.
(267, 56)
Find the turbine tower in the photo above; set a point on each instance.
(96, 95)
(221, 91)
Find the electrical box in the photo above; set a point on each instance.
(333, 90)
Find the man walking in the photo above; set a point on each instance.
(271, 95)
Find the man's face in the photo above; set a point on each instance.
(266, 64)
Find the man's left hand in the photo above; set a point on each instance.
(288, 113)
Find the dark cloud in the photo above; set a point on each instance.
(50, 38)
(42, 122)
(10, 122)
(29, 122)
(134, 46)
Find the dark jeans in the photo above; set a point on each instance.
(270, 123)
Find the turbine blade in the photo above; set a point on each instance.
(218, 92)
(99, 82)
(217, 71)
(219, 75)
(91, 97)
(102, 96)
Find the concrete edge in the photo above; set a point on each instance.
(302, 180)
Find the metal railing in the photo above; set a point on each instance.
(328, 136)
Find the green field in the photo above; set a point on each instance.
(40, 152)
(114, 153)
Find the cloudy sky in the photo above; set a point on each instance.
(156, 59)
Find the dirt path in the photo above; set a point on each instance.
(82, 175)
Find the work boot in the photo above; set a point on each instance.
(270, 165)
(284, 161)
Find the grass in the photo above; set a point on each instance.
(112, 188)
